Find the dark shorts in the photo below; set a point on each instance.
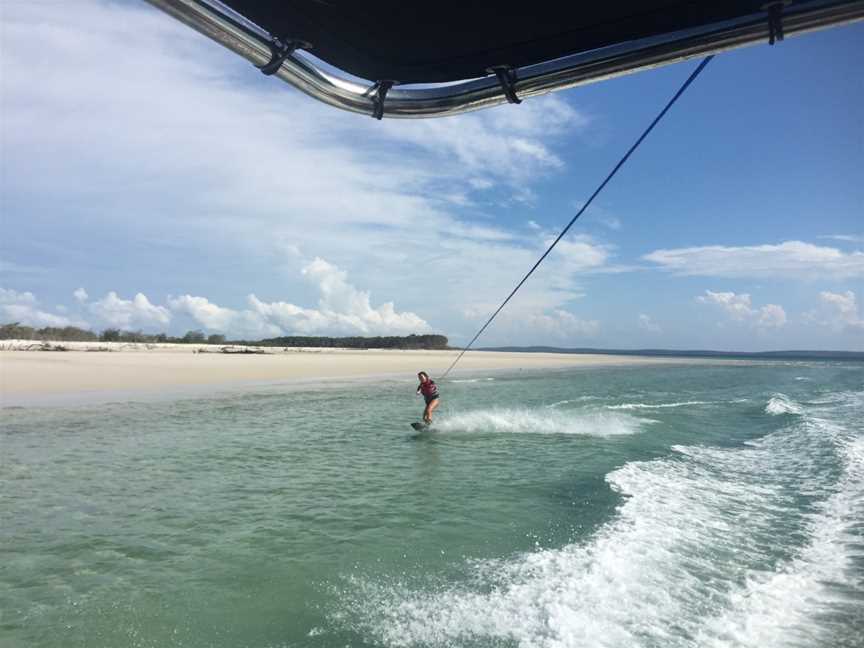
(429, 399)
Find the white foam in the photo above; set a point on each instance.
(633, 406)
(531, 421)
(558, 403)
(580, 399)
(688, 560)
(471, 380)
(782, 404)
(632, 581)
(783, 606)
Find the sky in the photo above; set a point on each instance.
(152, 180)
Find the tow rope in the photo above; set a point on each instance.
(621, 162)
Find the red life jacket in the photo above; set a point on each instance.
(428, 388)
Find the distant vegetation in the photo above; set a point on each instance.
(16, 331)
(390, 342)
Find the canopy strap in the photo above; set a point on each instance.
(281, 49)
(621, 162)
(775, 20)
(507, 80)
(381, 88)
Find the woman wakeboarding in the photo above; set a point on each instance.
(429, 389)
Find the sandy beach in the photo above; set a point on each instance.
(90, 368)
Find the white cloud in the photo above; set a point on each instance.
(342, 310)
(22, 307)
(739, 308)
(236, 323)
(771, 316)
(507, 144)
(523, 196)
(597, 213)
(838, 311)
(128, 313)
(849, 238)
(480, 184)
(581, 252)
(612, 222)
(528, 326)
(563, 324)
(9, 296)
(647, 323)
(789, 260)
(80, 295)
(377, 199)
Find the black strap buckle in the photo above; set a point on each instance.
(507, 80)
(381, 88)
(775, 20)
(281, 49)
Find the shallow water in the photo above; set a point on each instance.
(700, 505)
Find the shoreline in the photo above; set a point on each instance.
(40, 377)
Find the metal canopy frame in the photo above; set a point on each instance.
(230, 29)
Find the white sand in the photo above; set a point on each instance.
(150, 367)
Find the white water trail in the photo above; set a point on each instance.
(633, 406)
(688, 560)
(782, 404)
(532, 421)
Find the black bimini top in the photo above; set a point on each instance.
(433, 42)
(488, 52)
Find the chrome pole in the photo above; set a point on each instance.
(229, 29)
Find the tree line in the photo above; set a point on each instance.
(356, 342)
(17, 331)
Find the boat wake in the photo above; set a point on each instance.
(708, 547)
(635, 406)
(782, 404)
(530, 421)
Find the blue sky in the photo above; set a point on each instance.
(151, 180)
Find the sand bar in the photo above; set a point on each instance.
(153, 367)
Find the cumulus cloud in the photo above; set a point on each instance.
(129, 313)
(838, 311)
(342, 310)
(647, 323)
(9, 296)
(80, 295)
(22, 307)
(237, 323)
(399, 193)
(739, 308)
(788, 260)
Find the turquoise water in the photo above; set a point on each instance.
(700, 505)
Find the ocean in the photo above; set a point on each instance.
(658, 506)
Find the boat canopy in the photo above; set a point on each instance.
(399, 58)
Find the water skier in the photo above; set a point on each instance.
(429, 389)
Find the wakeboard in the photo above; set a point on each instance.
(420, 426)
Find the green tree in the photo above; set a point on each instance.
(194, 337)
(15, 331)
(110, 335)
